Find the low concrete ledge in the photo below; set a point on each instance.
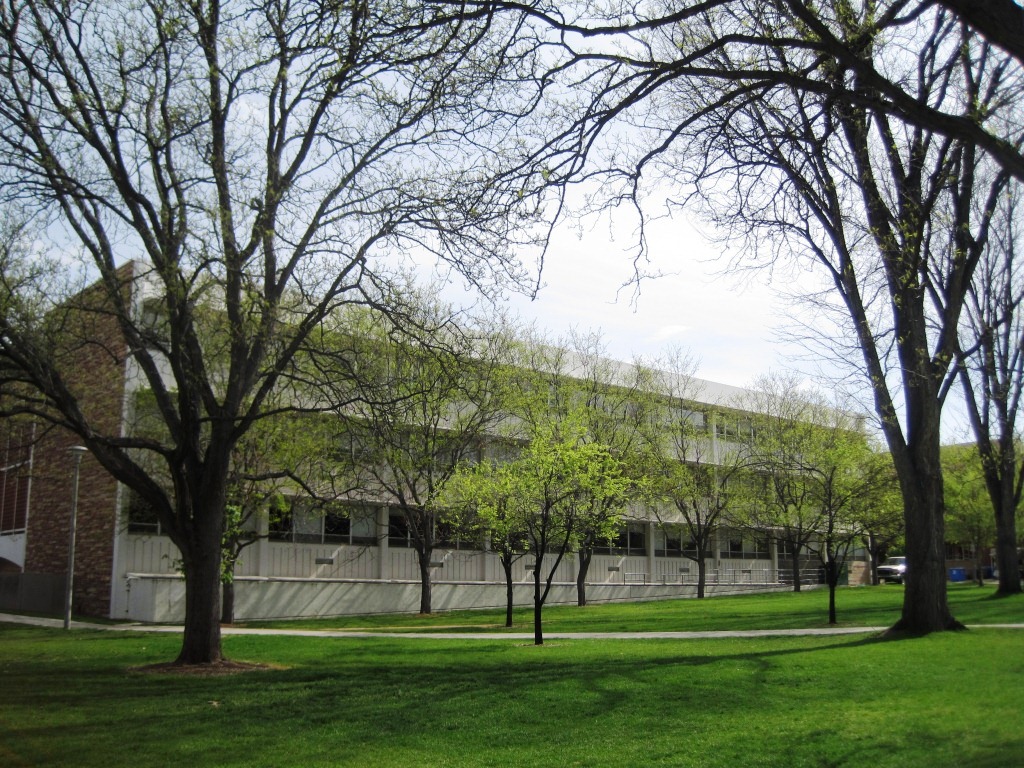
(160, 598)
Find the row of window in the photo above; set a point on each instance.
(670, 542)
(15, 467)
(357, 525)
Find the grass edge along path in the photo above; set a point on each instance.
(861, 609)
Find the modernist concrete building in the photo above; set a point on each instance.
(356, 562)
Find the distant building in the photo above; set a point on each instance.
(310, 564)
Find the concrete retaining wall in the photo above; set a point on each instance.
(160, 598)
(42, 592)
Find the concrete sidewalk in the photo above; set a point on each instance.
(11, 618)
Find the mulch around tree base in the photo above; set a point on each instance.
(214, 669)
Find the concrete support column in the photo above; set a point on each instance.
(649, 540)
(261, 547)
(716, 558)
(383, 552)
(486, 557)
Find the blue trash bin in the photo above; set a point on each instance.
(958, 574)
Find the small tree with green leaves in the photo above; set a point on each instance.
(615, 401)
(694, 480)
(846, 479)
(418, 398)
(485, 496)
(559, 484)
(780, 445)
(969, 519)
(817, 473)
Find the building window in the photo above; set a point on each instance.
(631, 540)
(306, 522)
(693, 421)
(363, 524)
(15, 471)
(337, 528)
(746, 549)
(141, 516)
(760, 549)
(785, 547)
(398, 530)
(669, 542)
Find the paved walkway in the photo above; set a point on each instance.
(36, 621)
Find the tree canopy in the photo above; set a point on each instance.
(262, 164)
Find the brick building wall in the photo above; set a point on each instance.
(93, 363)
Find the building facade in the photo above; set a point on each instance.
(358, 559)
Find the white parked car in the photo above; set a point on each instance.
(893, 569)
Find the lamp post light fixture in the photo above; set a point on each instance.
(77, 452)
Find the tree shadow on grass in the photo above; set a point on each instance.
(348, 698)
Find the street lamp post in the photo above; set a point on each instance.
(77, 452)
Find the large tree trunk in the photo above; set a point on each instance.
(227, 602)
(506, 565)
(702, 575)
(425, 581)
(201, 641)
(1007, 559)
(586, 555)
(925, 607)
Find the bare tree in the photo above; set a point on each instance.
(613, 51)
(851, 136)
(901, 270)
(697, 476)
(262, 160)
(615, 401)
(992, 379)
(418, 399)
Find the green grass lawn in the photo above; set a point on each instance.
(856, 607)
(950, 699)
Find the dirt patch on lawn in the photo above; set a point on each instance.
(215, 669)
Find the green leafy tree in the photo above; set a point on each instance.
(969, 519)
(848, 481)
(286, 459)
(420, 398)
(869, 141)
(261, 160)
(567, 485)
(880, 515)
(698, 477)
(485, 496)
(558, 485)
(781, 444)
(816, 475)
(616, 402)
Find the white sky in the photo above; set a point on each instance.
(727, 322)
(730, 324)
